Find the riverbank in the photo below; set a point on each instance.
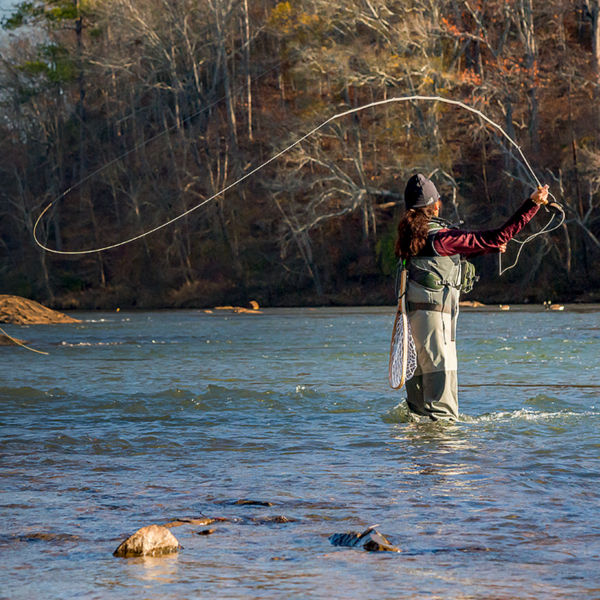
(22, 311)
(16, 310)
(379, 296)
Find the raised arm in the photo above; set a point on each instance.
(471, 243)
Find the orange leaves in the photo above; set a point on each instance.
(471, 77)
(451, 28)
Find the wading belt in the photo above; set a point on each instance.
(412, 306)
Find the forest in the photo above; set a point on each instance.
(127, 113)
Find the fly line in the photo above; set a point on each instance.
(340, 115)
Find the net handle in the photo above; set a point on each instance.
(400, 314)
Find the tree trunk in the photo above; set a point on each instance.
(224, 67)
(82, 155)
(527, 30)
(247, 65)
(594, 8)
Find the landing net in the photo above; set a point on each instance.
(403, 354)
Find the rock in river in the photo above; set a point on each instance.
(247, 502)
(370, 539)
(153, 540)
(6, 340)
(198, 521)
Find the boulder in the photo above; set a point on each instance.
(370, 539)
(22, 311)
(153, 540)
(376, 542)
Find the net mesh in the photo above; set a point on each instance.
(403, 354)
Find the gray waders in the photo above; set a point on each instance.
(432, 303)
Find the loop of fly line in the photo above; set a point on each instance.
(413, 98)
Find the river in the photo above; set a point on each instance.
(142, 417)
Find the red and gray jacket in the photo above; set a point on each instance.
(437, 270)
(448, 241)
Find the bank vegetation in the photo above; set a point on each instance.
(149, 107)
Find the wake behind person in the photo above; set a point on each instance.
(434, 253)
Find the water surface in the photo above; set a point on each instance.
(139, 418)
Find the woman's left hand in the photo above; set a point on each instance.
(502, 248)
(540, 196)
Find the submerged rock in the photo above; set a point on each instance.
(198, 521)
(246, 502)
(272, 519)
(48, 536)
(153, 540)
(205, 532)
(6, 340)
(370, 539)
(22, 311)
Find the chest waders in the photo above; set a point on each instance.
(433, 290)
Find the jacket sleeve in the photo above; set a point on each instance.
(470, 243)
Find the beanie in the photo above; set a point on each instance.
(420, 192)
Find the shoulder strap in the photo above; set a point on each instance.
(435, 225)
(402, 265)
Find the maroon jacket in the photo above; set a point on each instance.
(470, 243)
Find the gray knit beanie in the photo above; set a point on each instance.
(420, 192)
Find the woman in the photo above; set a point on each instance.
(432, 253)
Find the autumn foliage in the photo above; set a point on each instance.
(148, 108)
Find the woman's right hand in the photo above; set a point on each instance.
(540, 196)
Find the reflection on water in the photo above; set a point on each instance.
(142, 418)
(164, 569)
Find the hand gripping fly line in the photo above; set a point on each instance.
(340, 115)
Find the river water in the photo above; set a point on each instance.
(143, 417)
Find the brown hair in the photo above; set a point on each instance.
(413, 230)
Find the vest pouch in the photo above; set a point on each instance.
(468, 276)
(425, 278)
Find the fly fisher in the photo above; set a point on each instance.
(434, 270)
